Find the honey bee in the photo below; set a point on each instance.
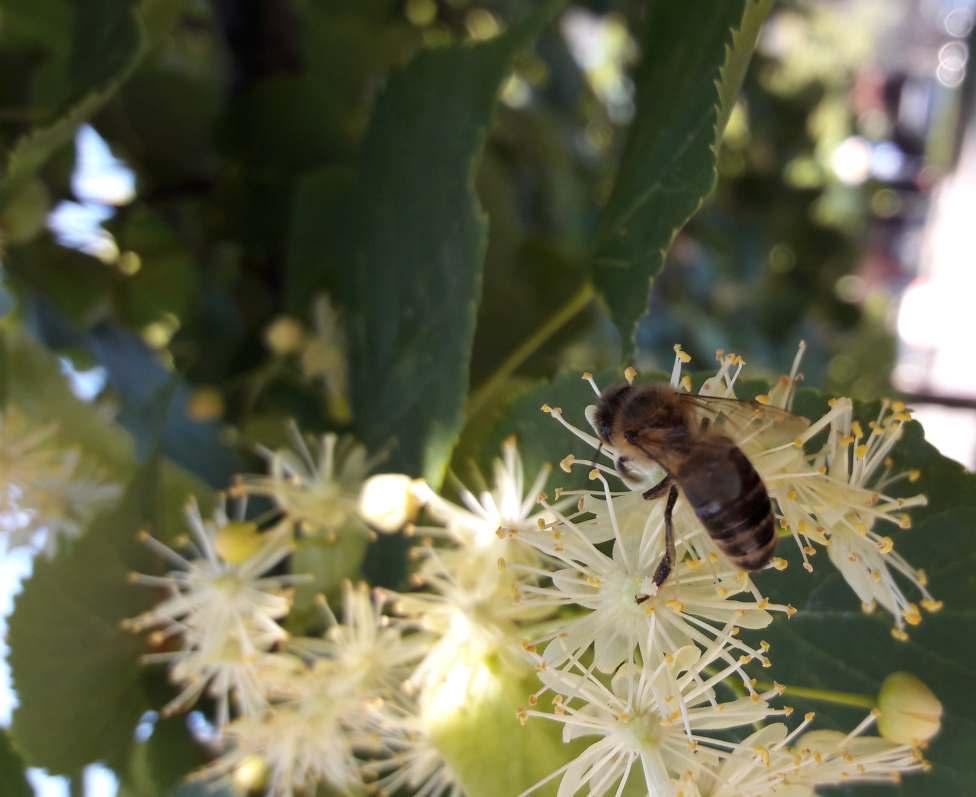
(693, 439)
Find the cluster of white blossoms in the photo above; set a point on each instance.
(648, 671)
(48, 492)
(660, 680)
(294, 711)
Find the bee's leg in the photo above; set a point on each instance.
(667, 562)
(658, 489)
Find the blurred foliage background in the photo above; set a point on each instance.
(180, 179)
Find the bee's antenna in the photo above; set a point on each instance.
(588, 377)
(599, 450)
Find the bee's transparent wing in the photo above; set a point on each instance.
(744, 421)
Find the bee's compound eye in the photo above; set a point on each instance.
(630, 436)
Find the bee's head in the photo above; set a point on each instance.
(611, 400)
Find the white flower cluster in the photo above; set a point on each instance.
(648, 671)
(47, 492)
(293, 712)
(658, 679)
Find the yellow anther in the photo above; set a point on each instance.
(912, 614)
(675, 606)
(790, 610)
(763, 755)
(586, 375)
(763, 604)
(922, 577)
(762, 398)
(861, 451)
(566, 463)
(899, 634)
(857, 430)
(914, 475)
(846, 440)
(886, 545)
(686, 382)
(546, 408)
(931, 605)
(798, 442)
(792, 494)
(904, 522)
(630, 374)
(593, 474)
(868, 607)
(779, 563)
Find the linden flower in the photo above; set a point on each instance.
(407, 759)
(623, 609)
(319, 492)
(368, 647)
(305, 741)
(222, 612)
(462, 615)
(853, 501)
(507, 507)
(774, 761)
(651, 717)
(47, 492)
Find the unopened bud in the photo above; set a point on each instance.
(238, 541)
(910, 713)
(250, 775)
(205, 404)
(388, 502)
(284, 335)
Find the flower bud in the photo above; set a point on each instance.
(251, 775)
(910, 713)
(205, 404)
(387, 501)
(284, 335)
(238, 541)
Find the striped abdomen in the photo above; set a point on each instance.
(725, 491)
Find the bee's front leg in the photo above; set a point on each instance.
(667, 562)
(658, 489)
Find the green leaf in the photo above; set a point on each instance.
(160, 763)
(74, 669)
(12, 775)
(830, 644)
(109, 38)
(421, 248)
(690, 69)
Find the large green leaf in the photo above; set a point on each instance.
(421, 247)
(12, 770)
(75, 671)
(831, 645)
(694, 58)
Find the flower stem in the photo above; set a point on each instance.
(559, 319)
(826, 695)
